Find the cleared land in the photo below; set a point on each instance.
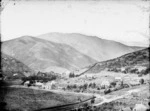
(30, 99)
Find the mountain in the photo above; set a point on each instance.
(135, 62)
(43, 55)
(95, 47)
(11, 66)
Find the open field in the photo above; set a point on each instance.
(28, 99)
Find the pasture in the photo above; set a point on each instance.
(24, 99)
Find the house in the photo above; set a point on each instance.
(105, 84)
(39, 84)
(140, 107)
(15, 74)
(118, 79)
(67, 72)
(49, 85)
(125, 109)
(26, 83)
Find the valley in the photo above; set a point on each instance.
(49, 75)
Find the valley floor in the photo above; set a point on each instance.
(32, 98)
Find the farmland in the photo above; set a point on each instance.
(29, 99)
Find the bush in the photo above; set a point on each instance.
(113, 84)
(145, 71)
(133, 70)
(71, 75)
(141, 81)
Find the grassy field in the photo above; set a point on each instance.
(28, 99)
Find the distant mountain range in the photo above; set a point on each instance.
(43, 55)
(135, 62)
(60, 52)
(95, 47)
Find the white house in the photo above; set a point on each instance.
(118, 79)
(67, 72)
(49, 85)
(15, 74)
(39, 84)
(139, 107)
(105, 83)
(26, 83)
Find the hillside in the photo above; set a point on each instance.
(95, 47)
(135, 62)
(11, 66)
(43, 55)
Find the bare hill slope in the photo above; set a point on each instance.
(41, 55)
(96, 48)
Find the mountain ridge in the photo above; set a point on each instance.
(40, 54)
(93, 46)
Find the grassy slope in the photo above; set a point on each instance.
(41, 55)
(11, 66)
(137, 58)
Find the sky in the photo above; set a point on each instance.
(123, 21)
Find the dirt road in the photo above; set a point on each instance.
(105, 100)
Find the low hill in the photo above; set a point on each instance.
(10, 67)
(135, 62)
(95, 47)
(43, 55)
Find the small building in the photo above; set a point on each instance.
(105, 84)
(140, 107)
(15, 74)
(125, 109)
(26, 83)
(49, 85)
(67, 72)
(38, 84)
(118, 79)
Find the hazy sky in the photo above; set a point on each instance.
(126, 22)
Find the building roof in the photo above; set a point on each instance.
(38, 83)
(140, 107)
(27, 82)
(105, 82)
(127, 109)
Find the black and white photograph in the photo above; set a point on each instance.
(75, 55)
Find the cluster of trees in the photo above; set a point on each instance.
(81, 88)
(72, 75)
(40, 76)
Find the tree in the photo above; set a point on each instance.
(71, 75)
(141, 81)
